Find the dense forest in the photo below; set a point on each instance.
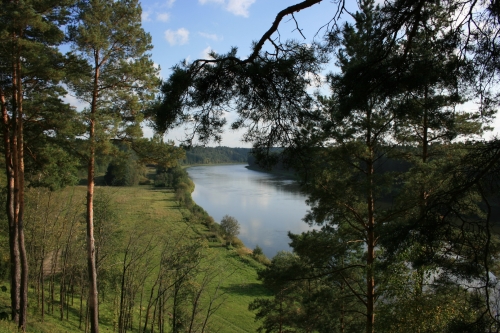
(216, 155)
(374, 117)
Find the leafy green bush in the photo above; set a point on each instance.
(262, 259)
(257, 251)
(237, 243)
(124, 171)
(259, 256)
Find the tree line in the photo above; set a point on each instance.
(215, 155)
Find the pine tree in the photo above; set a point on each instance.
(348, 185)
(121, 77)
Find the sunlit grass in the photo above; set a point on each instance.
(144, 207)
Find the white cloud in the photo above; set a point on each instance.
(205, 53)
(236, 7)
(213, 37)
(179, 37)
(145, 16)
(170, 3)
(239, 7)
(164, 17)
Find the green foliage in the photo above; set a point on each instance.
(215, 155)
(405, 209)
(260, 257)
(298, 301)
(49, 125)
(155, 151)
(173, 177)
(266, 83)
(125, 168)
(230, 228)
(119, 80)
(257, 251)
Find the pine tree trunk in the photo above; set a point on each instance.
(370, 233)
(23, 314)
(15, 268)
(93, 297)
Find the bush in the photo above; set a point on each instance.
(124, 170)
(237, 243)
(262, 259)
(208, 221)
(243, 251)
(230, 227)
(259, 256)
(213, 237)
(257, 251)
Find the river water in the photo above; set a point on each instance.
(266, 206)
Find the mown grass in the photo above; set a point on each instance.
(147, 207)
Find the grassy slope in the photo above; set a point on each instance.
(157, 209)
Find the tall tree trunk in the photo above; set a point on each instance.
(93, 297)
(17, 151)
(370, 232)
(23, 314)
(15, 267)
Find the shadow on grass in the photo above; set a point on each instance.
(73, 313)
(247, 289)
(161, 189)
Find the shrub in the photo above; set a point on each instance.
(257, 251)
(237, 243)
(213, 237)
(208, 221)
(230, 227)
(243, 251)
(262, 259)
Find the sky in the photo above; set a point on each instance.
(190, 29)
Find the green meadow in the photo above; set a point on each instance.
(230, 272)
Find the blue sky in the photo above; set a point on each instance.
(189, 29)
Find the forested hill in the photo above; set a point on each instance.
(216, 155)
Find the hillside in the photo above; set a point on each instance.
(225, 280)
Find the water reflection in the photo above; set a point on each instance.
(267, 207)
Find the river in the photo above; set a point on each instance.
(266, 206)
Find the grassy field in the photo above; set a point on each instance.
(156, 209)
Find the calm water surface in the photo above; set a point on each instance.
(267, 207)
